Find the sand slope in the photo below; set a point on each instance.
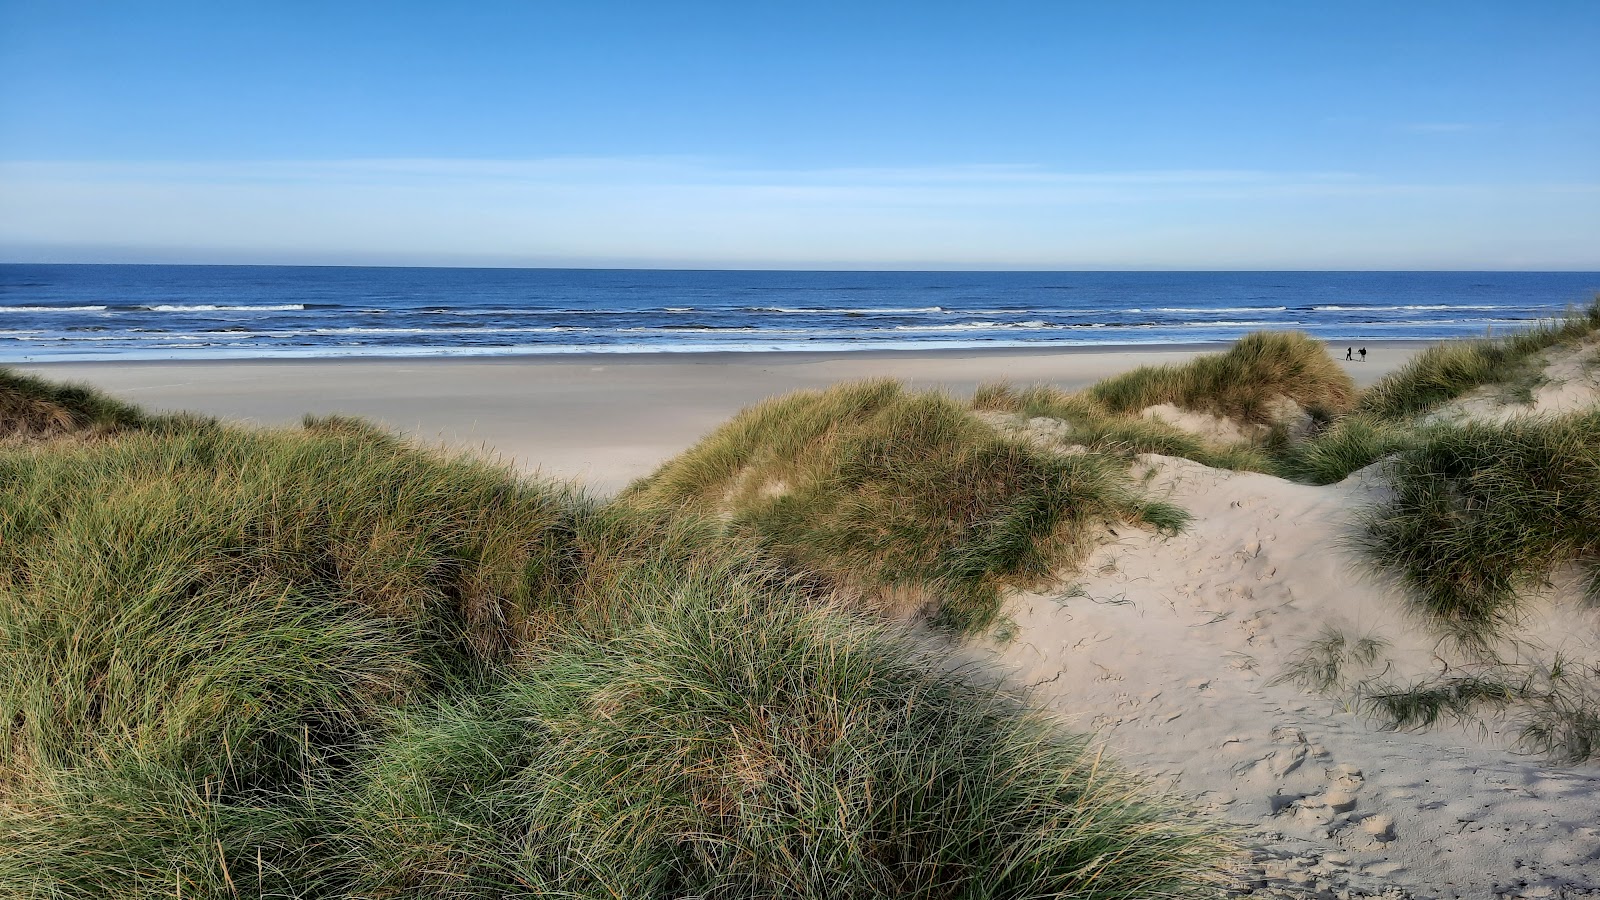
(1175, 651)
(1168, 647)
(1567, 380)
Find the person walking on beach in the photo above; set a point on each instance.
(1363, 354)
(1349, 353)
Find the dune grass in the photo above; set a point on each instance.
(1446, 371)
(194, 625)
(1090, 426)
(901, 497)
(1259, 382)
(1554, 706)
(33, 407)
(1242, 383)
(1324, 664)
(321, 663)
(1481, 513)
(1340, 448)
(792, 752)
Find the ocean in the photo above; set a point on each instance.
(129, 312)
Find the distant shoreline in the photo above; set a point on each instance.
(698, 357)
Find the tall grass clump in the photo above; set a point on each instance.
(1482, 512)
(1265, 383)
(1243, 383)
(36, 407)
(732, 743)
(1349, 443)
(1385, 416)
(192, 624)
(1446, 371)
(1092, 427)
(904, 497)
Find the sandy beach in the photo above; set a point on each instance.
(604, 419)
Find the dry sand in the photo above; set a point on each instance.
(1168, 648)
(604, 419)
(1172, 651)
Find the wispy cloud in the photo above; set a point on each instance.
(697, 211)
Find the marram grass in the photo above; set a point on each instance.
(1259, 383)
(1349, 443)
(1482, 513)
(321, 663)
(1387, 414)
(32, 407)
(1446, 371)
(1242, 383)
(897, 494)
(791, 752)
(1091, 426)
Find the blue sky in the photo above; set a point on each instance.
(854, 135)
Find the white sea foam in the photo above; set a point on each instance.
(1420, 308)
(36, 309)
(217, 307)
(969, 326)
(1216, 309)
(223, 308)
(732, 329)
(361, 330)
(864, 310)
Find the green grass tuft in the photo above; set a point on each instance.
(1324, 663)
(1351, 442)
(1447, 371)
(1092, 427)
(1555, 707)
(900, 496)
(1483, 512)
(1428, 703)
(1261, 381)
(192, 625)
(33, 407)
(1241, 383)
(791, 752)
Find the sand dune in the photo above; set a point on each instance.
(1567, 380)
(1175, 651)
(1169, 649)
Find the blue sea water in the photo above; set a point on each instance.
(125, 312)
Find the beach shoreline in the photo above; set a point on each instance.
(704, 356)
(602, 420)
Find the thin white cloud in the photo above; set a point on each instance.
(691, 211)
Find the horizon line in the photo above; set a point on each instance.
(812, 269)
